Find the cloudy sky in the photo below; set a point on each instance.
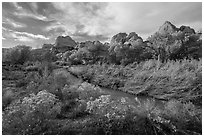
(33, 24)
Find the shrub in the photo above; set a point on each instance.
(74, 98)
(130, 124)
(56, 81)
(105, 105)
(186, 117)
(18, 54)
(70, 92)
(63, 77)
(88, 91)
(28, 116)
(7, 97)
(180, 80)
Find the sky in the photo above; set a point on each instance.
(34, 24)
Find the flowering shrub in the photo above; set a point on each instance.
(88, 91)
(107, 106)
(74, 98)
(186, 116)
(27, 116)
(83, 91)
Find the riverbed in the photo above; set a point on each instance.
(137, 101)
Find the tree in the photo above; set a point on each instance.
(175, 46)
(98, 51)
(80, 56)
(19, 54)
(193, 45)
(89, 53)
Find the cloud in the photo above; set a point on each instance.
(146, 18)
(54, 26)
(25, 10)
(15, 4)
(92, 16)
(31, 15)
(80, 37)
(31, 35)
(22, 36)
(13, 23)
(110, 18)
(34, 6)
(16, 37)
(94, 21)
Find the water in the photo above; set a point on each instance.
(138, 101)
(141, 101)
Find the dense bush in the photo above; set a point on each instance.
(54, 82)
(131, 124)
(180, 80)
(42, 55)
(28, 116)
(89, 53)
(174, 79)
(112, 76)
(18, 54)
(88, 91)
(119, 117)
(178, 45)
(7, 97)
(111, 108)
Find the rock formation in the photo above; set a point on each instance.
(118, 38)
(63, 44)
(66, 41)
(122, 39)
(187, 29)
(167, 27)
(47, 46)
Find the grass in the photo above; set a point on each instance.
(180, 80)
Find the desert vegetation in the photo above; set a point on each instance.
(128, 86)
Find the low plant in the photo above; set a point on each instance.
(29, 115)
(7, 97)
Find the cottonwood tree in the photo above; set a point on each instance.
(19, 54)
(177, 45)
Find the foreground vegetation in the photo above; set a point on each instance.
(76, 107)
(129, 86)
(181, 80)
